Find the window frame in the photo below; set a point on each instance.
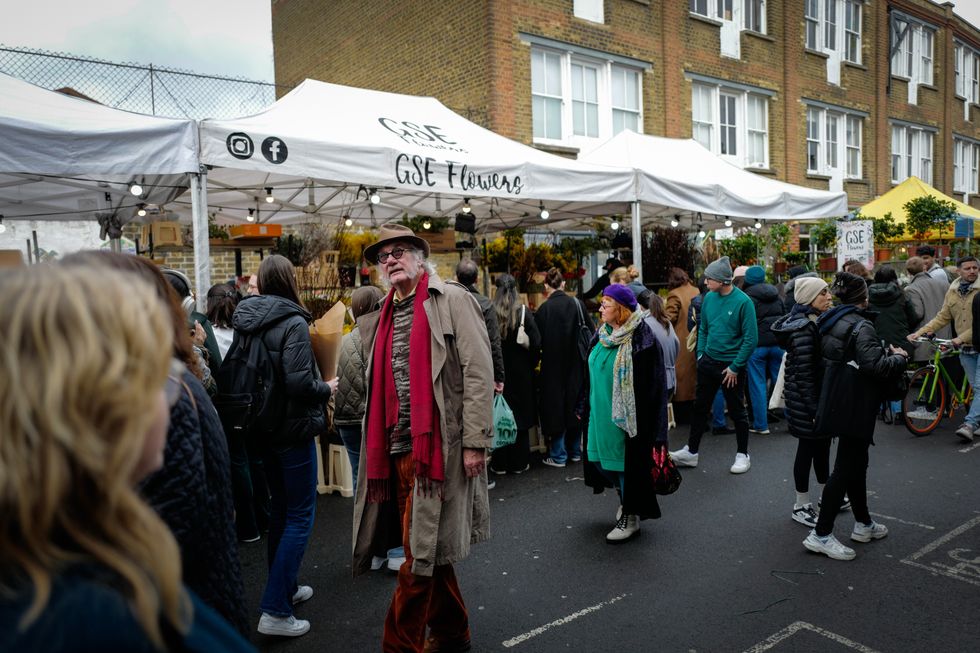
(917, 148)
(966, 157)
(716, 9)
(714, 92)
(966, 65)
(836, 149)
(829, 23)
(605, 68)
(909, 60)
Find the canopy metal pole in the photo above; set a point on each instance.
(202, 249)
(637, 239)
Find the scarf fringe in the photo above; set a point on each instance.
(378, 490)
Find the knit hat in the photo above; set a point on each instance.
(849, 288)
(621, 294)
(806, 289)
(796, 271)
(755, 274)
(720, 270)
(740, 271)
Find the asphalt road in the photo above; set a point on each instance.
(723, 570)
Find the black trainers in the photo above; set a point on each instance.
(721, 430)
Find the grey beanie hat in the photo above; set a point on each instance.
(720, 270)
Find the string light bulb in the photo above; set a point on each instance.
(614, 226)
(251, 215)
(375, 198)
(136, 189)
(758, 225)
(141, 211)
(701, 232)
(543, 212)
(466, 205)
(269, 198)
(674, 222)
(427, 225)
(728, 222)
(348, 222)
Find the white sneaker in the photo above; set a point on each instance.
(862, 533)
(829, 546)
(965, 431)
(303, 593)
(283, 626)
(377, 562)
(684, 458)
(394, 564)
(760, 431)
(551, 463)
(626, 527)
(741, 464)
(805, 515)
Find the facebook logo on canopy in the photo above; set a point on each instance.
(274, 150)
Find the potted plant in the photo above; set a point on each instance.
(823, 235)
(778, 239)
(923, 214)
(743, 249)
(796, 258)
(883, 230)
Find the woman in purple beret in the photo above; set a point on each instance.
(625, 411)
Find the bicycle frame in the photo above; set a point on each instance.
(959, 395)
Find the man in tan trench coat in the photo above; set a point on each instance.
(427, 428)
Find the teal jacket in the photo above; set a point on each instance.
(727, 331)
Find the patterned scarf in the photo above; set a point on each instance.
(382, 412)
(624, 395)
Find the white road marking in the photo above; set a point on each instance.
(514, 641)
(902, 521)
(971, 447)
(965, 569)
(796, 627)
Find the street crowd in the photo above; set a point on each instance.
(144, 442)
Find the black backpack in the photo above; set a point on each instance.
(249, 399)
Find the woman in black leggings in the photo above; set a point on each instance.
(797, 334)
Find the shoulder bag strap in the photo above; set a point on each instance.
(522, 316)
(581, 317)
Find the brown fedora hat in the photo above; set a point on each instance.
(390, 232)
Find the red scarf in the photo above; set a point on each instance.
(382, 416)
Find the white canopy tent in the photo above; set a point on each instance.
(325, 149)
(67, 158)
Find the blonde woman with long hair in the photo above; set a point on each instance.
(85, 564)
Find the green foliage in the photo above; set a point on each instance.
(778, 238)
(796, 258)
(824, 235)
(291, 247)
(665, 248)
(883, 229)
(215, 230)
(927, 213)
(417, 223)
(743, 249)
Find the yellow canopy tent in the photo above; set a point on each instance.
(913, 187)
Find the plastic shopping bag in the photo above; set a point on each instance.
(505, 428)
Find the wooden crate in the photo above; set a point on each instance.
(165, 234)
(255, 231)
(443, 241)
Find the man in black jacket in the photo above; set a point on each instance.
(768, 355)
(466, 272)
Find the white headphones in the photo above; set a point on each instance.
(187, 302)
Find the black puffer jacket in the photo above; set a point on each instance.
(768, 309)
(192, 494)
(896, 317)
(798, 335)
(874, 362)
(284, 327)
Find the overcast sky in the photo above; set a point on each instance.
(222, 37)
(225, 37)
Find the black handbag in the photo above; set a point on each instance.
(582, 333)
(664, 473)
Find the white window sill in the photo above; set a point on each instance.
(705, 19)
(858, 66)
(816, 53)
(759, 35)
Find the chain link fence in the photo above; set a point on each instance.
(149, 89)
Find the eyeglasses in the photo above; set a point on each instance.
(397, 253)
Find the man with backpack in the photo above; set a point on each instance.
(428, 425)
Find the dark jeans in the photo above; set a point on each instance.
(709, 380)
(351, 437)
(292, 481)
(562, 446)
(250, 489)
(850, 476)
(815, 453)
(514, 457)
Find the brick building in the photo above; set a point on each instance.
(840, 94)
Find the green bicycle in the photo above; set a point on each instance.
(933, 394)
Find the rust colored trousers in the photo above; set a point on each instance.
(421, 601)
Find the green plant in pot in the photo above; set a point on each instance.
(923, 214)
(778, 239)
(796, 258)
(743, 249)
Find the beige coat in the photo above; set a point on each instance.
(678, 301)
(462, 381)
(956, 309)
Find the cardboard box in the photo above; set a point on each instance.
(255, 231)
(164, 234)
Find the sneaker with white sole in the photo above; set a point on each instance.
(394, 564)
(551, 463)
(760, 431)
(626, 527)
(845, 504)
(741, 464)
(684, 458)
(966, 431)
(829, 546)
(805, 515)
(303, 593)
(868, 532)
(283, 626)
(377, 562)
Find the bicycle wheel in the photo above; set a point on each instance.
(925, 401)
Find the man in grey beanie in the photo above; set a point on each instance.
(727, 336)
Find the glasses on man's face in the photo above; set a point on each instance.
(397, 253)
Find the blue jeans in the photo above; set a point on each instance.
(718, 412)
(566, 445)
(969, 362)
(292, 483)
(351, 436)
(763, 363)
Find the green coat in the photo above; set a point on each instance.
(462, 381)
